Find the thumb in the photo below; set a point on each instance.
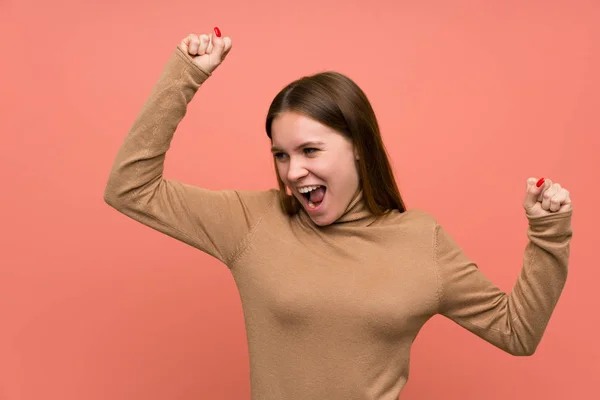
(534, 188)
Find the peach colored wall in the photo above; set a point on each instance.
(473, 97)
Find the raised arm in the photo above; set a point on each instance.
(216, 222)
(513, 322)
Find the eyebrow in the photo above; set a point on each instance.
(305, 144)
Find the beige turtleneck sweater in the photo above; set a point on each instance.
(330, 312)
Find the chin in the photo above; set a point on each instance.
(322, 221)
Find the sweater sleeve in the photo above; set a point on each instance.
(216, 222)
(513, 322)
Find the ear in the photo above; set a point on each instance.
(356, 156)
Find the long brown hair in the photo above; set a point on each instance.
(336, 101)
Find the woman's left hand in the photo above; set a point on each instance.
(545, 199)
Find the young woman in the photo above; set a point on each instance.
(335, 275)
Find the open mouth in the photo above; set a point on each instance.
(313, 195)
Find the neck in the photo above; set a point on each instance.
(357, 211)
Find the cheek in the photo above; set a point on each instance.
(351, 176)
(347, 172)
(282, 172)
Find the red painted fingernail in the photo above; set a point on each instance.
(540, 182)
(217, 32)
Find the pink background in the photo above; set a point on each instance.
(473, 97)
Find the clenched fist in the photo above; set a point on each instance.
(207, 51)
(545, 197)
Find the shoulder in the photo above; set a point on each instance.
(257, 199)
(420, 215)
(414, 217)
(267, 203)
(415, 223)
(257, 194)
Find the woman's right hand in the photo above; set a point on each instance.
(207, 51)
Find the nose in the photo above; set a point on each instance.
(297, 170)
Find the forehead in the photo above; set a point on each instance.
(291, 129)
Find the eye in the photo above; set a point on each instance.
(310, 150)
(280, 156)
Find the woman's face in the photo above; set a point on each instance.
(317, 164)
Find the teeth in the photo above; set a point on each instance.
(308, 189)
